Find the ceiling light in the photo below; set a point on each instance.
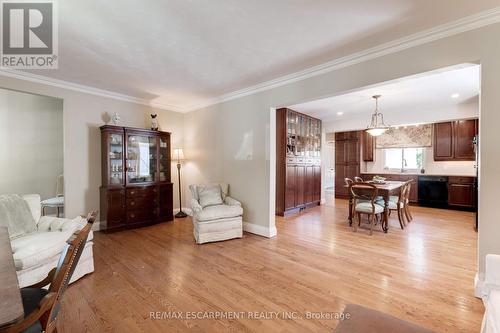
(377, 125)
(340, 113)
(455, 95)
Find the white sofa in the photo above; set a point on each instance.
(36, 253)
(217, 219)
(491, 320)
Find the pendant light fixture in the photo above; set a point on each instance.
(377, 125)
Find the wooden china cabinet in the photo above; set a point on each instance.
(298, 161)
(136, 185)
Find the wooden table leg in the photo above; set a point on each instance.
(385, 224)
(350, 210)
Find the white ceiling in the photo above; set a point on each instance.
(185, 52)
(427, 91)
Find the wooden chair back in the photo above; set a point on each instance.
(65, 269)
(348, 181)
(58, 277)
(364, 191)
(408, 189)
(358, 179)
(404, 193)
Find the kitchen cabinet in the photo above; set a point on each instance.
(347, 160)
(368, 146)
(298, 161)
(453, 140)
(461, 191)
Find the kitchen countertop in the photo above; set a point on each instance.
(413, 174)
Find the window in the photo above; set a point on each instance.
(407, 159)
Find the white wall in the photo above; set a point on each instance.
(83, 115)
(412, 116)
(250, 114)
(172, 122)
(407, 116)
(31, 143)
(441, 168)
(231, 141)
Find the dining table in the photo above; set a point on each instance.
(385, 190)
(11, 304)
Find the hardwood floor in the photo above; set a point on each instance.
(423, 274)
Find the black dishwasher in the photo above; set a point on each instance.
(433, 191)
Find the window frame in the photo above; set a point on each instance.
(404, 169)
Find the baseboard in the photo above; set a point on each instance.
(479, 285)
(259, 230)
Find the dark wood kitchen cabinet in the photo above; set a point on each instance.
(368, 146)
(347, 160)
(453, 140)
(461, 191)
(298, 161)
(136, 187)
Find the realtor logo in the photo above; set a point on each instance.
(29, 35)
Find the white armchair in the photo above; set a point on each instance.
(37, 250)
(216, 216)
(491, 320)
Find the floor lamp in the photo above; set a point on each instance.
(179, 156)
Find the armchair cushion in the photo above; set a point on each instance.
(195, 206)
(210, 195)
(38, 248)
(366, 207)
(51, 223)
(218, 212)
(15, 214)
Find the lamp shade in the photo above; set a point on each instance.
(178, 154)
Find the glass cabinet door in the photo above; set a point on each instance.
(115, 142)
(141, 159)
(164, 159)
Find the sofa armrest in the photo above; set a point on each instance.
(231, 201)
(51, 223)
(492, 270)
(195, 206)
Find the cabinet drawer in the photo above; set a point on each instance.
(461, 180)
(141, 215)
(142, 202)
(141, 191)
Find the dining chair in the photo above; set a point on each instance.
(364, 196)
(399, 203)
(42, 306)
(358, 179)
(407, 211)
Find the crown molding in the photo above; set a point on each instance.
(442, 31)
(465, 24)
(45, 80)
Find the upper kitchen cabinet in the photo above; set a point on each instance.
(368, 145)
(453, 141)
